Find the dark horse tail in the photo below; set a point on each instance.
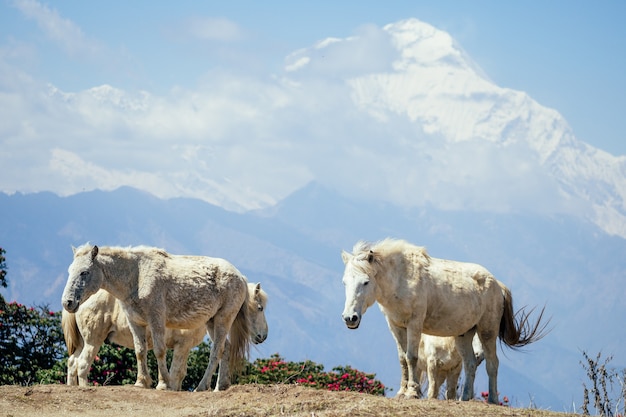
(516, 329)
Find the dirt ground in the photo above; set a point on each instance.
(239, 400)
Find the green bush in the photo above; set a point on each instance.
(31, 341)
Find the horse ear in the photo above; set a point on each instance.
(257, 288)
(345, 256)
(370, 257)
(94, 252)
(73, 250)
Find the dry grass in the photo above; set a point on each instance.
(240, 400)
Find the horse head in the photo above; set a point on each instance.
(84, 278)
(256, 306)
(359, 285)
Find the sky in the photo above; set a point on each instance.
(177, 59)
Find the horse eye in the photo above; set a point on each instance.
(260, 307)
(366, 282)
(84, 273)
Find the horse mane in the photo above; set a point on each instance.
(86, 248)
(71, 333)
(240, 337)
(252, 302)
(388, 247)
(82, 249)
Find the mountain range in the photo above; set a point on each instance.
(570, 266)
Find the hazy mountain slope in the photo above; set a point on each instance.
(294, 250)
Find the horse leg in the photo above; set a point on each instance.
(464, 345)
(157, 329)
(488, 340)
(141, 351)
(412, 355)
(452, 382)
(217, 332)
(223, 375)
(72, 371)
(84, 361)
(434, 378)
(178, 368)
(399, 335)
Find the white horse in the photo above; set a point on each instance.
(441, 361)
(417, 293)
(159, 290)
(102, 318)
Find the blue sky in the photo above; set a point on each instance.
(567, 55)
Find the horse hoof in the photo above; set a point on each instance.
(412, 395)
(162, 386)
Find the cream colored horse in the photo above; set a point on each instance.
(159, 290)
(101, 318)
(440, 360)
(417, 293)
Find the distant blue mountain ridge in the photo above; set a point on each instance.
(570, 266)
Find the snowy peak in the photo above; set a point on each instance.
(423, 45)
(468, 131)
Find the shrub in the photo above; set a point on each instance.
(603, 383)
(31, 341)
(343, 378)
(504, 402)
(3, 270)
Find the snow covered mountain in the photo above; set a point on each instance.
(494, 147)
(399, 114)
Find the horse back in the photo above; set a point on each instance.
(188, 289)
(455, 296)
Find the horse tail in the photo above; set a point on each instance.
(71, 334)
(516, 329)
(240, 336)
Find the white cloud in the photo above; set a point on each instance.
(62, 31)
(296, 63)
(370, 51)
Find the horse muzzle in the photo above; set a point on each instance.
(70, 305)
(352, 321)
(259, 338)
